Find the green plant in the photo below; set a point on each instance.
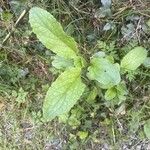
(68, 87)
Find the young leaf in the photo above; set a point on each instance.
(51, 33)
(82, 134)
(146, 62)
(103, 71)
(62, 63)
(122, 89)
(134, 58)
(92, 95)
(110, 94)
(63, 94)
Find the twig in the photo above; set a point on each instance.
(16, 24)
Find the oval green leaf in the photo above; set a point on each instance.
(134, 58)
(105, 72)
(63, 94)
(51, 33)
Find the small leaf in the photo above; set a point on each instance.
(109, 26)
(6, 16)
(122, 89)
(99, 54)
(127, 31)
(63, 118)
(51, 33)
(63, 94)
(21, 98)
(110, 94)
(103, 12)
(102, 45)
(147, 129)
(92, 95)
(105, 72)
(62, 63)
(146, 62)
(82, 134)
(134, 58)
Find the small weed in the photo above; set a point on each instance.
(107, 70)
